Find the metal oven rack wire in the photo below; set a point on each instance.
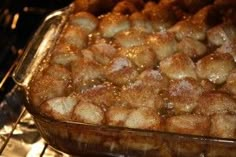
(18, 134)
(10, 132)
(9, 136)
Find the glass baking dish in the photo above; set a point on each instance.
(84, 139)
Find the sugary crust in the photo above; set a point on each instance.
(142, 56)
(223, 126)
(162, 66)
(85, 21)
(120, 71)
(184, 94)
(215, 67)
(163, 44)
(112, 24)
(137, 95)
(193, 48)
(188, 124)
(178, 66)
(86, 74)
(211, 103)
(87, 112)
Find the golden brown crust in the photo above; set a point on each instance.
(188, 124)
(140, 22)
(184, 94)
(193, 48)
(211, 103)
(120, 71)
(187, 28)
(215, 67)
(130, 38)
(116, 115)
(163, 44)
(85, 21)
(86, 74)
(220, 34)
(75, 37)
(112, 24)
(87, 112)
(64, 54)
(138, 95)
(178, 66)
(223, 126)
(142, 56)
(138, 67)
(102, 95)
(125, 7)
(47, 87)
(100, 52)
(231, 82)
(59, 108)
(143, 118)
(161, 16)
(154, 79)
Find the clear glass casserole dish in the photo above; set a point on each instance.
(86, 139)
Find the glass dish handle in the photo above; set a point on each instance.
(42, 42)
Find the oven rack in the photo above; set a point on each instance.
(18, 134)
(11, 131)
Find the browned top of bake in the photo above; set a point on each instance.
(161, 66)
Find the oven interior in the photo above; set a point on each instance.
(18, 21)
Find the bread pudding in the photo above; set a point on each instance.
(158, 67)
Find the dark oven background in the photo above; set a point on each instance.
(19, 19)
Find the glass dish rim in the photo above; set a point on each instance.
(36, 115)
